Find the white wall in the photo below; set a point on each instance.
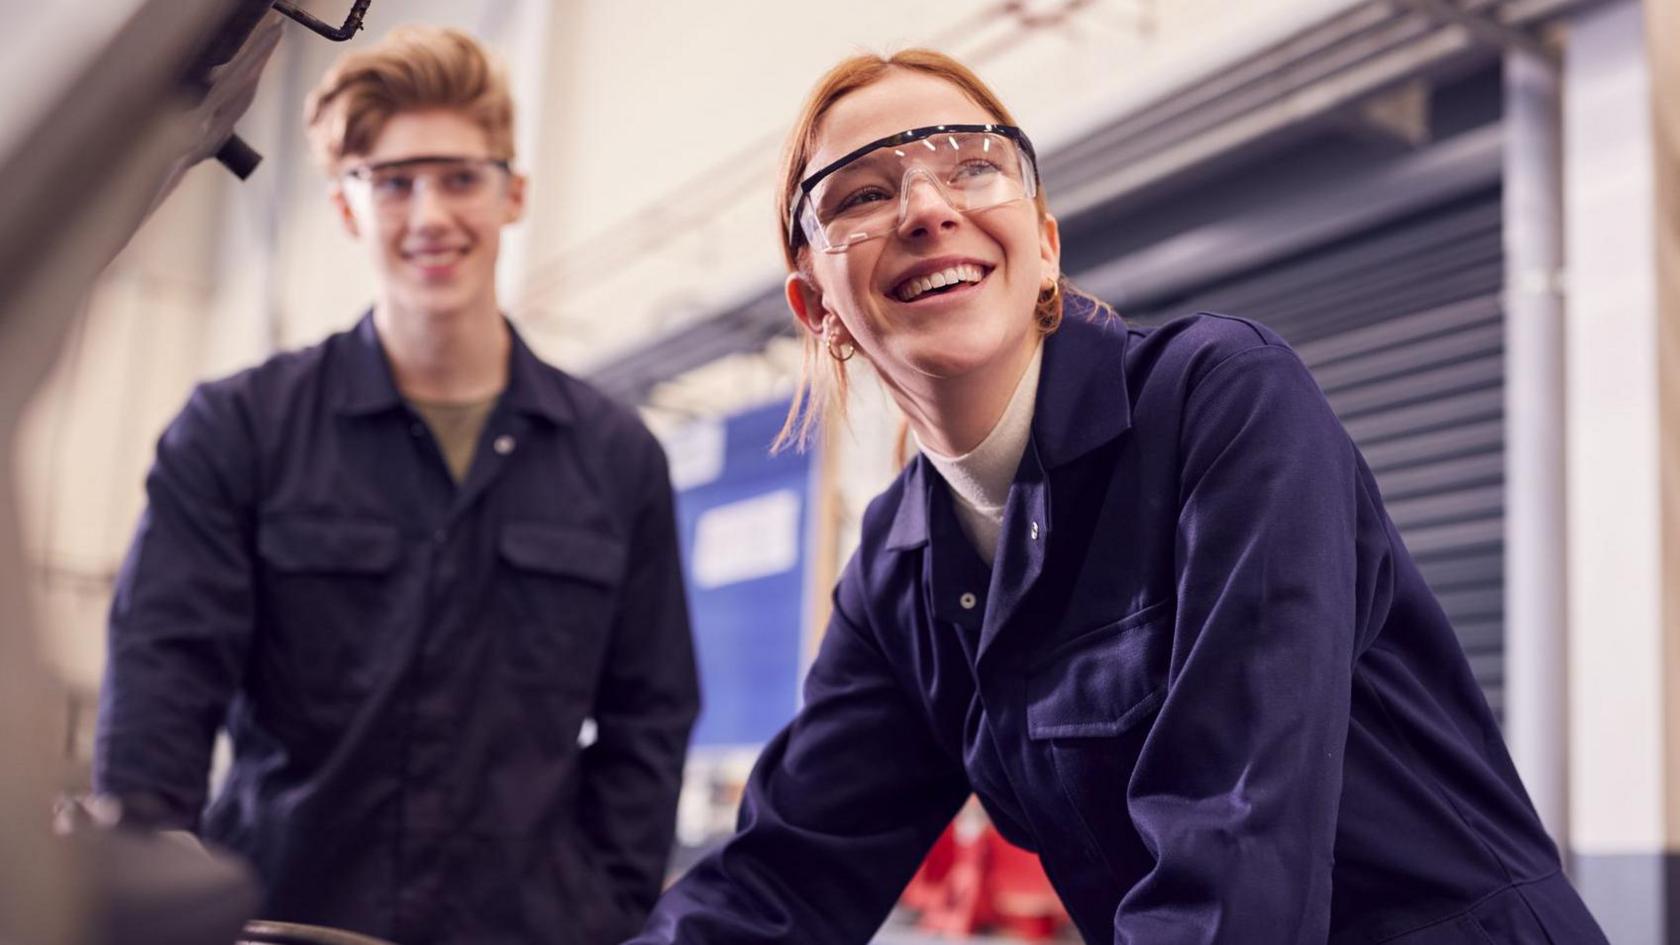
(1616, 646)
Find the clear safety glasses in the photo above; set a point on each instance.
(460, 182)
(867, 193)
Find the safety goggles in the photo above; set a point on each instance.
(866, 194)
(459, 182)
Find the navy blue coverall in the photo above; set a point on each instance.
(404, 663)
(1204, 681)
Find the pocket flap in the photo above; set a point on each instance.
(328, 545)
(565, 550)
(1102, 682)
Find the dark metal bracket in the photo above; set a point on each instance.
(352, 23)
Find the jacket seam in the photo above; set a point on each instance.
(1435, 786)
(1512, 885)
(1246, 323)
(1207, 378)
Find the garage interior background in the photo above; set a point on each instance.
(1450, 207)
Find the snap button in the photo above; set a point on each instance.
(968, 600)
(503, 445)
(1034, 531)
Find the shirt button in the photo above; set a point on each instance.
(968, 600)
(1034, 531)
(503, 445)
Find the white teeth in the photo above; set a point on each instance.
(435, 258)
(936, 280)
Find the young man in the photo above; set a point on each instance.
(407, 568)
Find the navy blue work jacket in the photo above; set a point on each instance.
(404, 663)
(1203, 680)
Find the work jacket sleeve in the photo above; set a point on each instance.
(646, 704)
(838, 813)
(181, 618)
(1236, 789)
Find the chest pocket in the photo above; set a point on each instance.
(560, 590)
(329, 600)
(1089, 703)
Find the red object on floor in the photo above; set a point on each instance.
(926, 889)
(973, 880)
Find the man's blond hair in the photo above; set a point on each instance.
(415, 68)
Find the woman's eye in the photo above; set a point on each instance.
(858, 198)
(975, 167)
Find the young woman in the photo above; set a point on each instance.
(1138, 593)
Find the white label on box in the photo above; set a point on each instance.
(696, 454)
(749, 539)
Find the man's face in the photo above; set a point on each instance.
(432, 228)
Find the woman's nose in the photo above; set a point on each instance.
(923, 206)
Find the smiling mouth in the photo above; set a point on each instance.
(941, 282)
(434, 258)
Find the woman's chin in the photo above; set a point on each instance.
(954, 354)
(944, 363)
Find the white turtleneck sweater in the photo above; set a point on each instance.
(980, 478)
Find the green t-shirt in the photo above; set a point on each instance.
(456, 428)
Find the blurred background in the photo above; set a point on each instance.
(1461, 212)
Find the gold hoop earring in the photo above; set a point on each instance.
(833, 341)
